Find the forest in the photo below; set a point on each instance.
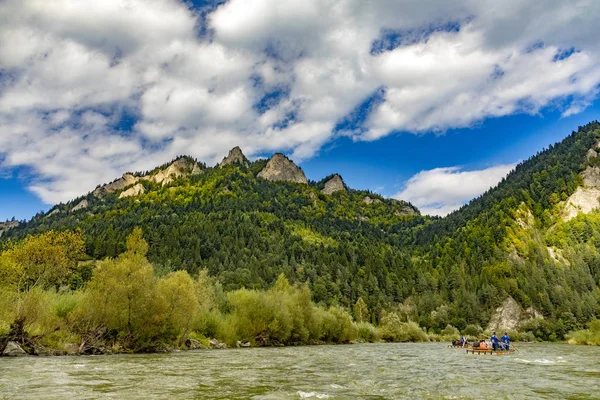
(241, 239)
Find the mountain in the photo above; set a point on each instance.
(527, 248)
(280, 168)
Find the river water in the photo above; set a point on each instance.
(368, 371)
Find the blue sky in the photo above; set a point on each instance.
(431, 102)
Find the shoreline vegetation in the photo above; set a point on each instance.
(51, 303)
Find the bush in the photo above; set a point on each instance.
(367, 332)
(338, 326)
(473, 331)
(394, 330)
(590, 337)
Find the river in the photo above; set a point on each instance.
(368, 371)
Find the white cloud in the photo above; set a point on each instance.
(70, 69)
(442, 190)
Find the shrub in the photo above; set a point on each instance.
(367, 332)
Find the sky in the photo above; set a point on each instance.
(426, 101)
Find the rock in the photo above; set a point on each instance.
(215, 344)
(240, 344)
(235, 156)
(591, 154)
(181, 167)
(369, 200)
(406, 211)
(13, 349)
(532, 313)
(184, 166)
(247, 344)
(591, 177)
(72, 349)
(193, 344)
(506, 317)
(81, 205)
(557, 255)
(119, 184)
(8, 225)
(133, 191)
(196, 170)
(510, 315)
(53, 212)
(525, 218)
(584, 199)
(280, 168)
(335, 184)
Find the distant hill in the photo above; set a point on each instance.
(534, 238)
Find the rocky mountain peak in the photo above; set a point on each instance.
(280, 168)
(334, 184)
(235, 156)
(183, 166)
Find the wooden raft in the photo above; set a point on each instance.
(489, 351)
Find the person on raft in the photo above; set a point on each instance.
(506, 341)
(463, 341)
(483, 345)
(495, 341)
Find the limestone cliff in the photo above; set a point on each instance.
(120, 184)
(133, 191)
(80, 206)
(280, 168)
(335, 184)
(6, 226)
(235, 156)
(370, 200)
(585, 198)
(182, 167)
(510, 315)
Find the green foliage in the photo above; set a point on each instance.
(394, 330)
(367, 332)
(236, 234)
(589, 337)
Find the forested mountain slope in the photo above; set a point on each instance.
(246, 223)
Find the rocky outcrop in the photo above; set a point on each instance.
(80, 206)
(280, 168)
(215, 344)
(115, 186)
(8, 225)
(510, 315)
(406, 212)
(235, 156)
(133, 191)
(370, 200)
(13, 349)
(193, 344)
(335, 184)
(557, 255)
(591, 154)
(585, 198)
(182, 167)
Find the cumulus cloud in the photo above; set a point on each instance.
(89, 90)
(442, 190)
